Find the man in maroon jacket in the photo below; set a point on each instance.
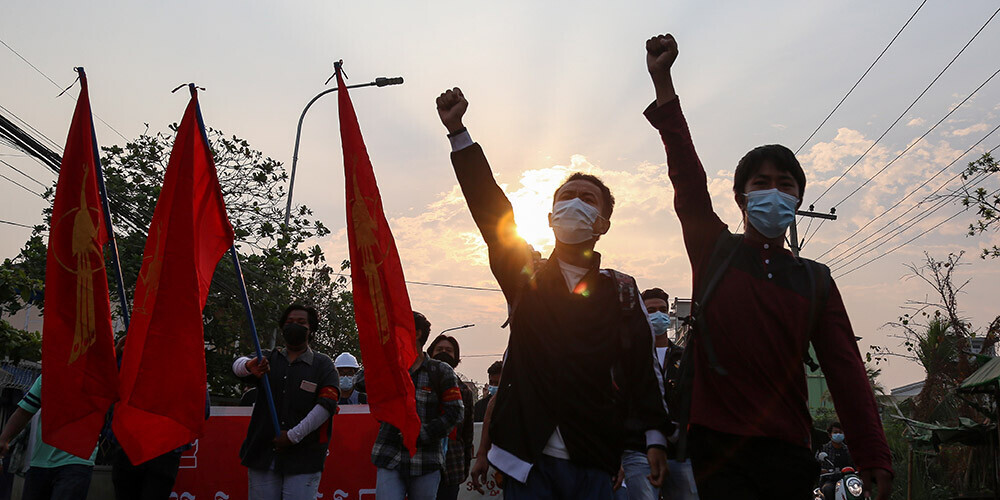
(749, 428)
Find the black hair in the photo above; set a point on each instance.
(423, 328)
(495, 369)
(448, 338)
(609, 199)
(656, 293)
(310, 312)
(829, 430)
(781, 157)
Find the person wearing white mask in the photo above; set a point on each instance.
(347, 367)
(555, 429)
(759, 308)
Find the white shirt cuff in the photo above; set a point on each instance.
(240, 367)
(460, 141)
(655, 437)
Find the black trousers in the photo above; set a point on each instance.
(150, 480)
(727, 466)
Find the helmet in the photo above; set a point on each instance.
(346, 360)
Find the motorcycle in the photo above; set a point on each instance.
(846, 483)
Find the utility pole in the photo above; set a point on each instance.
(793, 232)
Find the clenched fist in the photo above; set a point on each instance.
(451, 106)
(661, 52)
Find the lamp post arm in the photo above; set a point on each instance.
(379, 82)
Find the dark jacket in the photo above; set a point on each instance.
(562, 345)
(635, 434)
(297, 387)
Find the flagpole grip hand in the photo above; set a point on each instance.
(451, 106)
(661, 52)
(258, 367)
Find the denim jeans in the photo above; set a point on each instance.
(636, 467)
(271, 485)
(391, 484)
(679, 484)
(556, 479)
(66, 482)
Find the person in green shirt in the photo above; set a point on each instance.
(54, 474)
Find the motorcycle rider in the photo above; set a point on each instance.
(837, 457)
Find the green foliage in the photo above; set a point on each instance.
(16, 345)
(986, 202)
(278, 266)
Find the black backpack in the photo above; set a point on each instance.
(726, 247)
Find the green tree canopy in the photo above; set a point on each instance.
(279, 264)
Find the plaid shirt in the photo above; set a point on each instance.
(458, 458)
(440, 408)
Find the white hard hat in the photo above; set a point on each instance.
(346, 360)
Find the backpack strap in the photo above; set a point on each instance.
(628, 298)
(726, 248)
(819, 290)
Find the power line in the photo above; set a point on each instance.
(18, 224)
(916, 219)
(24, 174)
(914, 143)
(59, 87)
(908, 108)
(911, 193)
(835, 108)
(22, 186)
(908, 241)
(443, 285)
(52, 143)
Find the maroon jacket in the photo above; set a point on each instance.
(758, 319)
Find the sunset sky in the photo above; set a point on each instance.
(554, 87)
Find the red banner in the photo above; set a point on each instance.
(163, 370)
(80, 379)
(381, 304)
(211, 470)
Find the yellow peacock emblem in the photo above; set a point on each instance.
(88, 260)
(365, 228)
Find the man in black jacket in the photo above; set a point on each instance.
(557, 424)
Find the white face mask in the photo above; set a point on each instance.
(573, 221)
(346, 382)
(660, 321)
(770, 211)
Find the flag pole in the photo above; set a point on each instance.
(256, 340)
(109, 226)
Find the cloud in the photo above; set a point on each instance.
(916, 122)
(979, 127)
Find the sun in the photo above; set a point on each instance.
(532, 203)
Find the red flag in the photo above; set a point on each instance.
(80, 379)
(163, 370)
(381, 304)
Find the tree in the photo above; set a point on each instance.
(278, 266)
(20, 287)
(987, 202)
(935, 334)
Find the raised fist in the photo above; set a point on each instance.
(451, 106)
(661, 52)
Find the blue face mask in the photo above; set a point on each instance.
(492, 389)
(771, 211)
(837, 437)
(660, 321)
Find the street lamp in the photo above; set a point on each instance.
(455, 328)
(379, 82)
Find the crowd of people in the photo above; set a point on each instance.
(593, 399)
